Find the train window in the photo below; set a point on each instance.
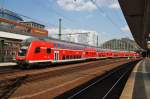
(22, 52)
(58, 45)
(67, 57)
(86, 52)
(37, 50)
(76, 57)
(63, 57)
(55, 45)
(48, 50)
(27, 42)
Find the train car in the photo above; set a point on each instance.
(90, 53)
(50, 50)
(100, 53)
(136, 55)
(103, 53)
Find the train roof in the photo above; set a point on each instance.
(50, 39)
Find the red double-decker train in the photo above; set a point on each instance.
(50, 50)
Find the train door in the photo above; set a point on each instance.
(56, 55)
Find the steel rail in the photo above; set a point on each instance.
(101, 79)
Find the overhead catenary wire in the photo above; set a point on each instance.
(36, 20)
(100, 10)
(61, 15)
(117, 13)
(110, 20)
(67, 18)
(118, 17)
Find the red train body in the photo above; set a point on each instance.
(48, 50)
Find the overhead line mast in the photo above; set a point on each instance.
(60, 28)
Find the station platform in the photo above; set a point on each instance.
(7, 64)
(138, 84)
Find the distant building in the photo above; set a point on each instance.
(12, 32)
(120, 44)
(75, 35)
(11, 22)
(7, 14)
(89, 38)
(34, 24)
(8, 46)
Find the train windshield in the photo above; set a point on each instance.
(22, 51)
(24, 46)
(28, 41)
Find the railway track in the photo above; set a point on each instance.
(7, 87)
(8, 69)
(108, 86)
(33, 76)
(8, 73)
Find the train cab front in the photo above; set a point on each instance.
(21, 56)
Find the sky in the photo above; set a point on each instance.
(103, 16)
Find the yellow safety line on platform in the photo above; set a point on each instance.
(128, 89)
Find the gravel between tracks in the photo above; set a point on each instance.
(48, 86)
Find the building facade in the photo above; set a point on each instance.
(8, 49)
(121, 44)
(7, 14)
(12, 32)
(34, 25)
(8, 46)
(75, 35)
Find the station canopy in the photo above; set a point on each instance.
(137, 15)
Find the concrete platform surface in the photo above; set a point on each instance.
(138, 84)
(8, 64)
